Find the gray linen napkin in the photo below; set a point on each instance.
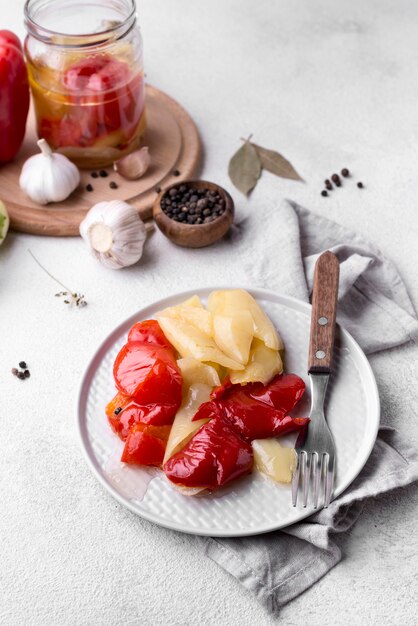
(375, 307)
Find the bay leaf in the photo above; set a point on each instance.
(245, 168)
(275, 163)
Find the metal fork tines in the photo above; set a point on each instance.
(316, 455)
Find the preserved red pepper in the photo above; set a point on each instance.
(14, 96)
(257, 411)
(145, 445)
(218, 392)
(283, 392)
(87, 83)
(148, 374)
(149, 331)
(123, 416)
(150, 393)
(213, 457)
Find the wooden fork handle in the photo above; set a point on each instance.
(324, 310)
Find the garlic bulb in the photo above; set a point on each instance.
(134, 165)
(115, 233)
(49, 176)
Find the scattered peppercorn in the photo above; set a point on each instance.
(337, 181)
(23, 372)
(94, 175)
(113, 185)
(176, 173)
(324, 192)
(158, 190)
(89, 187)
(192, 206)
(117, 410)
(103, 174)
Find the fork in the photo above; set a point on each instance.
(316, 454)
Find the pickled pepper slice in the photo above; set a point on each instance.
(257, 411)
(145, 445)
(213, 457)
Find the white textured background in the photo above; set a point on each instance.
(330, 84)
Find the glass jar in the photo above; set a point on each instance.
(87, 78)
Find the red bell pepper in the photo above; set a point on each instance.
(104, 96)
(123, 416)
(283, 392)
(220, 450)
(148, 373)
(150, 332)
(14, 96)
(150, 392)
(213, 457)
(257, 411)
(146, 445)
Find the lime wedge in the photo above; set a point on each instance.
(4, 222)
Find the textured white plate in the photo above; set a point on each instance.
(254, 504)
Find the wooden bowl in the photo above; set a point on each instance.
(194, 235)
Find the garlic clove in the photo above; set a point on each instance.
(134, 165)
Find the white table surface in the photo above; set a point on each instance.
(328, 83)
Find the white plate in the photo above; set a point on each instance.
(253, 504)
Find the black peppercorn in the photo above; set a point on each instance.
(117, 410)
(94, 174)
(324, 192)
(335, 179)
(89, 187)
(360, 185)
(158, 190)
(113, 185)
(23, 365)
(20, 375)
(103, 174)
(176, 173)
(192, 206)
(345, 172)
(27, 373)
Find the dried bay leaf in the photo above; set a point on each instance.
(245, 168)
(276, 163)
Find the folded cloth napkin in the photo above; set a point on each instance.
(374, 306)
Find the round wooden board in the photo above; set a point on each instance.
(173, 142)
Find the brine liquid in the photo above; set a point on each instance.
(79, 116)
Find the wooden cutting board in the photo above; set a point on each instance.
(174, 146)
